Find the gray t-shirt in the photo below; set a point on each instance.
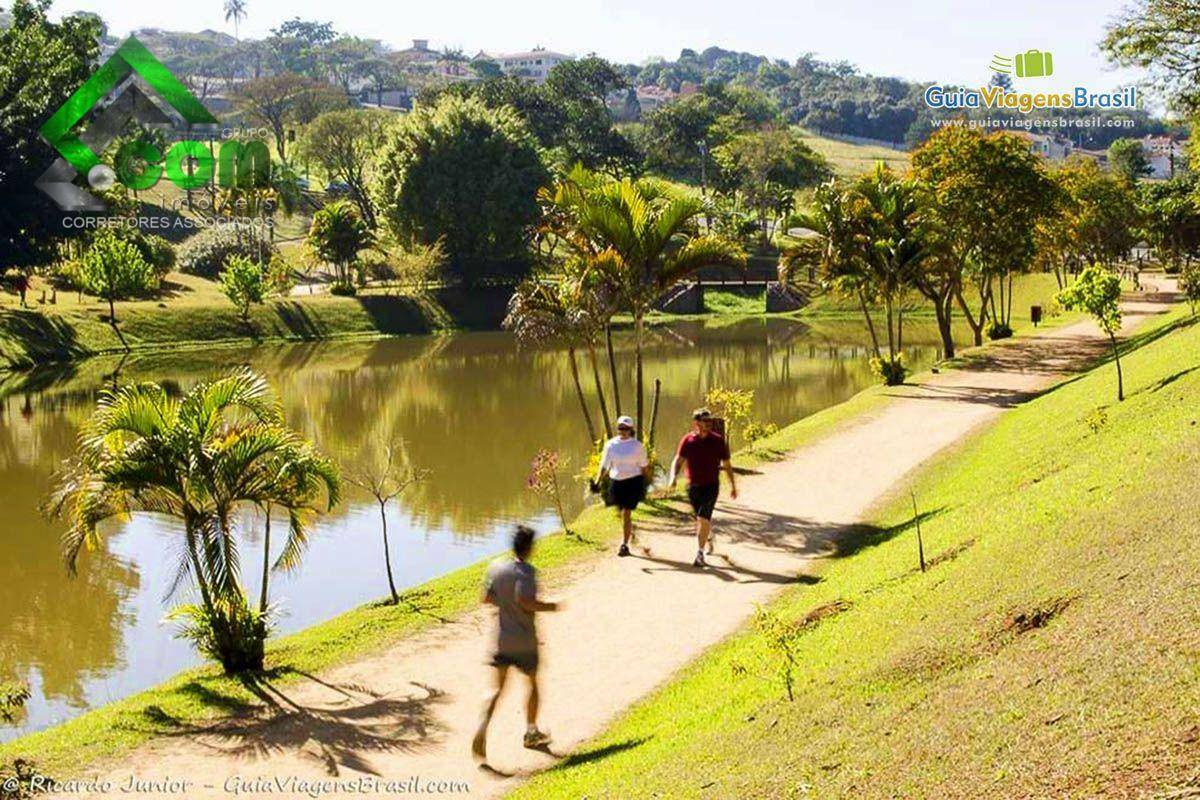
(507, 580)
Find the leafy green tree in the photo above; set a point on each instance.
(345, 143)
(1098, 292)
(41, 64)
(985, 196)
(247, 282)
(337, 235)
(285, 99)
(197, 458)
(1101, 212)
(114, 269)
(762, 163)
(1170, 220)
(639, 237)
(468, 175)
(1127, 159)
(1162, 37)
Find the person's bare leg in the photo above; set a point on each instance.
(627, 526)
(479, 743)
(531, 705)
(706, 524)
(703, 532)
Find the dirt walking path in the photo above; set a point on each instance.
(627, 625)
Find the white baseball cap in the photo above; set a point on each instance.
(625, 421)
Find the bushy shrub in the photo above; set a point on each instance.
(341, 289)
(231, 632)
(113, 269)
(246, 282)
(205, 253)
(1189, 283)
(892, 371)
(999, 330)
(157, 252)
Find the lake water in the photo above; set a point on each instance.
(472, 408)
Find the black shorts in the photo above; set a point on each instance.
(703, 499)
(627, 493)
(526, 662)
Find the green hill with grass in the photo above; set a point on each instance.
(1050, 649)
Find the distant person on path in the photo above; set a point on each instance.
(628, 468)
(706, 453)
(511, 586)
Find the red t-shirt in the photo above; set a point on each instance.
(703, 456)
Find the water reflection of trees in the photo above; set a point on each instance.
(473, 409)
(65, 629)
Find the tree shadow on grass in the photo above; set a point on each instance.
(782, 532)
(351, 721)
(599, 753)
(45, 338)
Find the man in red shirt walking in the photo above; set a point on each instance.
(706, 453)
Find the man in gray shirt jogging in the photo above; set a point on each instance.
(511, 586)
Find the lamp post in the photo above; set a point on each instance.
(702, 146)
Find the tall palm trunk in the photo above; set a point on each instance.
(266, 565)
(862, 303)
(608, 433)
(612, 369)
(587, 415)
(638, 327)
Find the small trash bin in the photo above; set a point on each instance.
(1035, 314)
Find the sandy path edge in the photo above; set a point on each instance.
(406, 715)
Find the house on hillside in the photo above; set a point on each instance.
(1053, 148)
(533, 65)
(1166, 154)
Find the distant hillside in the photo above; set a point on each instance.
(835, 97)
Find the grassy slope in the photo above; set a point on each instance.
(925, 686)
(849, 160)
(203, 693)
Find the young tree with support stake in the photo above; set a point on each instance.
(1098, 292)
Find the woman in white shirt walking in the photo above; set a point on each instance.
(628, 469)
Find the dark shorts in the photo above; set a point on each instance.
(703, 499)
(526, 662)
(627, 493)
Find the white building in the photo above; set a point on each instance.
(1054, 148)
(1167, 156)
(533, 65)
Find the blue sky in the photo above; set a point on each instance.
(928, 40)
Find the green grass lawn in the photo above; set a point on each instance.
(1052, 649)
(850, 160)
(192, 311)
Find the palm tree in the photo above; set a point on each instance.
(869, 242)
(196, 458)
(235, 10)
(543, 310)
(641, 236)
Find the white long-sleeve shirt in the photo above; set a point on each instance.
(623, 458)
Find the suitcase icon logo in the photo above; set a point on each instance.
(1034, 64)
(1030, 64)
